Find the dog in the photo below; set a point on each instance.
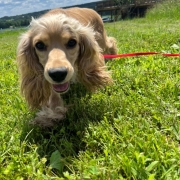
(61, 47)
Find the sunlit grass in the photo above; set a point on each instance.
(130, 130)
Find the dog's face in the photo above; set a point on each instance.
(57, 52)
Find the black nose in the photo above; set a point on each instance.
(58, 74)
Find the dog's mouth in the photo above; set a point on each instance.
(61, 88)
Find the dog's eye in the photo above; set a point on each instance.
(71, 43)
(40, 46)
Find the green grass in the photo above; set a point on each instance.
(130, 130)
(169, 9)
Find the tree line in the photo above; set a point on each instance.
(24, 20)
(19, 20)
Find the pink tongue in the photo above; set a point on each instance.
(61, 87)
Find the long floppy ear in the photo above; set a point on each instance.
(92, 71)
(33, 84)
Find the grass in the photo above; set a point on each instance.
(130, 130)
(166, 10)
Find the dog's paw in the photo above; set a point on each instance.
(44, 122)
(48, 117)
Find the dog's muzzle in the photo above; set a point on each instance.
(58, 75)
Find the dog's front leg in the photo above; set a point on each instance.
(52, 113)
(56, 104)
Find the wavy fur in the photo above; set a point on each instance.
(84, 62)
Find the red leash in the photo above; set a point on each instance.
(138, 54)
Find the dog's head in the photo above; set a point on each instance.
(56, 41)
(56, 50)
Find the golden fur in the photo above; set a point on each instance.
(62, 46)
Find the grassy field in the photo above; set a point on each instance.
(130, 130)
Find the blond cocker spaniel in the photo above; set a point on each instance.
(61, 47)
